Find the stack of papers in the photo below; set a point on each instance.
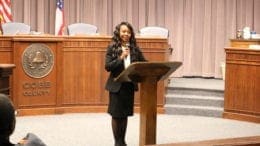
(255, 36)
(256, 47)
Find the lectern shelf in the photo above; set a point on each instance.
(137, 70)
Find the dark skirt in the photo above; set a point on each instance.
(121, 103)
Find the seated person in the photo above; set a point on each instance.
(7, 125)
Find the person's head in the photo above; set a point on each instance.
(7, 116)
(124, 33)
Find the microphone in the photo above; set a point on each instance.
(127, 47)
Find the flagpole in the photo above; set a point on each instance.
(1, 28)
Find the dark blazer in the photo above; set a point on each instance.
(115, 65)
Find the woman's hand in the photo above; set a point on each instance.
(125, 53)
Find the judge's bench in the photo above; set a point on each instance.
(63, 74)
(242, 83)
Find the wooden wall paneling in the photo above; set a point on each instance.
(6, 50)
(85, 55)
(59, 72)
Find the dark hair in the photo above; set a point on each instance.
(116, 37)
(7, 116)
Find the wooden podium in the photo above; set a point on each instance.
(148, 74)
(5, 71)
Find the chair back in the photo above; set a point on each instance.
(154, 31)
(82, 28)
(13, 28)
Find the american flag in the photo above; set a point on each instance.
(59, 19)
(5, 11)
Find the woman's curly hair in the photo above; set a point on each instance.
(116, 38)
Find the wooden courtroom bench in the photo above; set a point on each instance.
(71, 76)
(241, 141)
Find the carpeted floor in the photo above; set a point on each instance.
(89, 129)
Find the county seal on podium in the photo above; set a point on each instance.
(37, 60)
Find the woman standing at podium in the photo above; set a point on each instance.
(120, 54)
